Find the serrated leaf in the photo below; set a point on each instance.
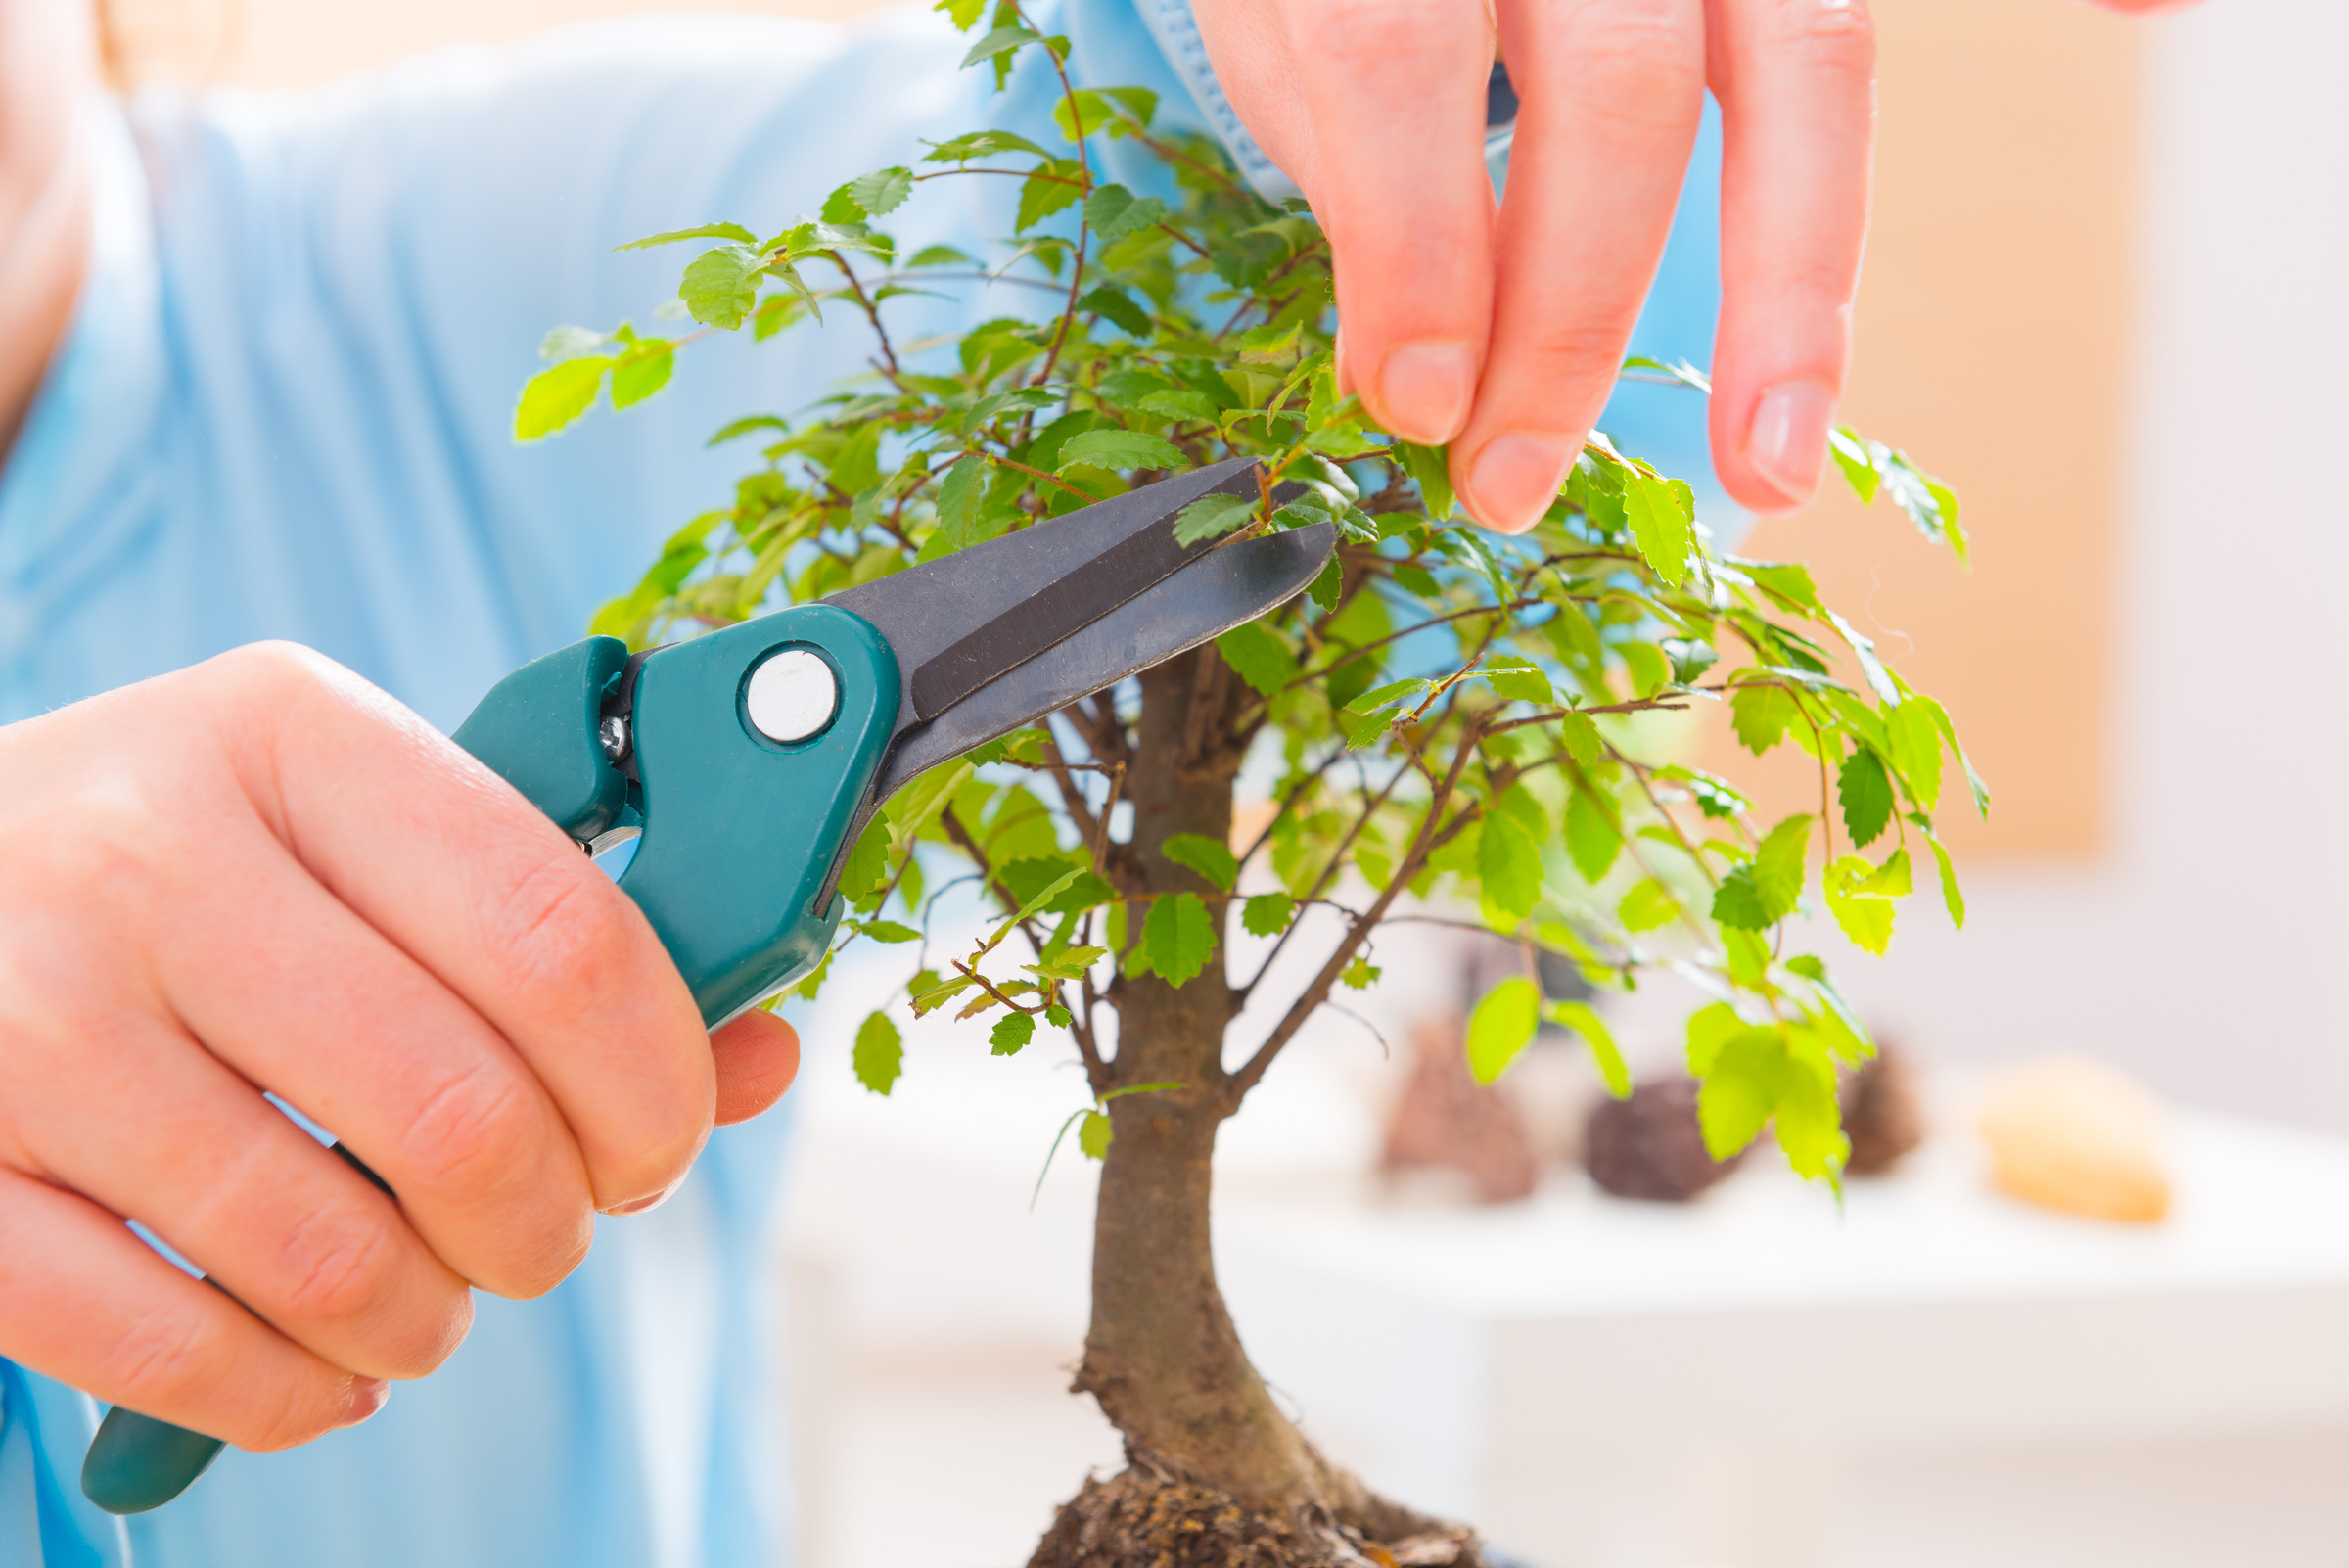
(1761, 716)
(1864, 789)
(1211, 516)
(1120, 449)
(1094, 1134)
(1789, 583)
(706, 231)
(1116, 305)
(1952, 896)
(721, 286)
(964, 13)
(1858, 465)
(1209, 857)
(880, 1054)
(1045, 193)
(1267, 914)
(882, 191)
(981, 144)
(1592, 838)
(1864, 917)
(1011, 1032)
(890, 932)
(558, 394)
(1427, 467)
(1764, 891)
(1502, 1027)
(928, 998)
(1518, 680)
(1508, 865)
(958, 496)
(1176, 940)
(1662, 514)
(1915, 741)
(1113, 212)
(1579, 1017)
(642, 371)
(867, 863)
(941, 255)
(1004, 40)
(1360, 975)
(1081, 114)
(1579, 734)
(1647, 907)
(1258, 656)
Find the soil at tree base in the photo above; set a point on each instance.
(1149, 1515)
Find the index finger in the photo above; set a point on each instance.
(465, 876)
(1396, 92)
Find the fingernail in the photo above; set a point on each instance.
(1788, 443)
(367, 1396)
(1516, 477)
(1424, 390)
(640, 1205)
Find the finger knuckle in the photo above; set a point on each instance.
(559, 938)
(170, 1358)
(1367, 39)
(1838, 37)
(1650, 51)
(338, 1268)
(476, 1134)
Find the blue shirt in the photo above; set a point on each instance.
(283, 411)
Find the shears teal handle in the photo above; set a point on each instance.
(751, 749)
(745, 754)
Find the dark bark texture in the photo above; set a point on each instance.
(1218, 1475)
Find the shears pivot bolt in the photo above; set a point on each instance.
(793, 695)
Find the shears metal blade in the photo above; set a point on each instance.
(749, 759)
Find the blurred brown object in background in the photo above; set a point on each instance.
(1444, 1117)
(2077, 1135)
(1650, 1146)
(1882, 1115)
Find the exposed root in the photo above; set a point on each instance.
(1150, 1515)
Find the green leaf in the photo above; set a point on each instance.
(642, 371)
(558, 394)
(856, 467)
(958, 496)
(1119, 448)
(981, 144)
(1949, 733)
(1267, 914)
(1360, 975)
(720, 286)
(1789, 583)
(880, 1054)
(1113, 212)
(1011, 1032)
(1740, 1089)
(1045, 193)
(1864, 917)
(1663, 516)
(707, 231)
(1762, 891)
(1761, 716)
(1118, 306)
(1209, 857)
(1915, 741)
(1427, 467)
(1211, 516)
(1518, 680)
(882, 191)
(868, 866)
(1865, 791)
(1258, 656)
(1650, 669)
(1176, 940)
(1519, 801)
(1854, 458)
(1579, 1017)
(890, 932)
(1004, 40)
(1081, 114)
(941, 255)
(1647, 907)
(1592, 838)
(1952, 896)
(1502, 1027)
(1508, 864)
(1579, 734)
(1094, 1135)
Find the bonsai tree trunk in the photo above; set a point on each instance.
(1162, 1357)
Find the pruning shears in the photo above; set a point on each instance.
(746, 762)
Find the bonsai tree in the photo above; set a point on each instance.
(1455, 722)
